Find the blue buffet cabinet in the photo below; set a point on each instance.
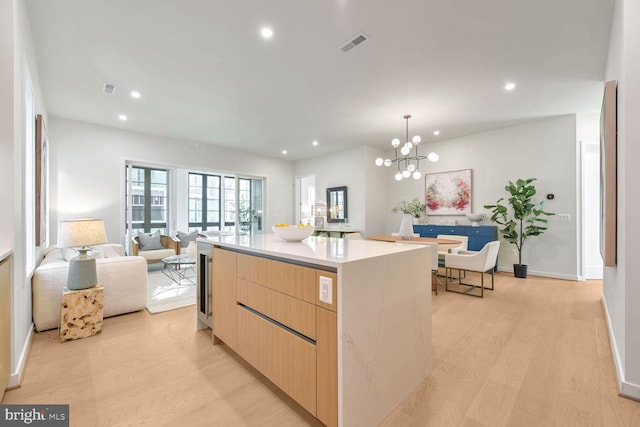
(478, 236)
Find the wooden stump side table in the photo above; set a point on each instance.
(81, 313)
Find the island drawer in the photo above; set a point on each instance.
(291, 312)
(294, 280)
(286, 359)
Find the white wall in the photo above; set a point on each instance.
(621, 290)
(19, 60)
(6, 124)
(87, 171)
(546, 150)
(335, 170)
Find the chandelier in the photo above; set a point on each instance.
(408, 165)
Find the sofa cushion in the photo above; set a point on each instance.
(108, 251)
(68, 253)
(149, 242)
(186, 238)
(157, 254)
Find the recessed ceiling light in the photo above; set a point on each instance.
(436, 132)
(284, 151)
(315, 143)
(266, 33)
(509, 86)
(123, 117)
(135, 94)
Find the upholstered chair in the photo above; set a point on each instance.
(433, 256)
(483, 261)
(154, 247)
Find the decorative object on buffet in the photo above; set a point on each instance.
(82, 232)
(293, 233)
(415, 208)
(406, 226)
(448, 193)
(519, 218)
(410, 164)
(475, 218)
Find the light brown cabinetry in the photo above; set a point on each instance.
(5, 323)
(286, 359)
(224, 296)
(327, 367)
(281, 328)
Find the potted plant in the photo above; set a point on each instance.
(415, 208)
(523, 220)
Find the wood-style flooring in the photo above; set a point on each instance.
(533, 352)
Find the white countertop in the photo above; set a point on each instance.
(326, 251)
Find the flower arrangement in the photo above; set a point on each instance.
(415, 208)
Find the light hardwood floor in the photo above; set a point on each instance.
(533, 352)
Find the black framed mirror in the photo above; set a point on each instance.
(337, 204)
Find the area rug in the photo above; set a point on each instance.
(164, 294)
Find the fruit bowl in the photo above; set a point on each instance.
(293, 233)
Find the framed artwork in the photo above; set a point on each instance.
(448, 193)
(42, 151)
(608, 175)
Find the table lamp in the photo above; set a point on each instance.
(80, 233)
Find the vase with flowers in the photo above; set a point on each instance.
(412, 211)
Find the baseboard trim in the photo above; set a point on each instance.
(15, 379)
(574, 277)
(626, 389)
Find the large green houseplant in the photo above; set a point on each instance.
(519, 217)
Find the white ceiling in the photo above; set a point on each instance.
(206, 75)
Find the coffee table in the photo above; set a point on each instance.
(180, 268)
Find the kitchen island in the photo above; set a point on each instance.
(342, 326)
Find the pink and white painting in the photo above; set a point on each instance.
(448, 193)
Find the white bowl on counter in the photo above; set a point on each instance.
(293, 233)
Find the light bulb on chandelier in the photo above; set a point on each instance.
(410, 164)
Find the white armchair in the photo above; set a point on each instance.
(482, 261)
(433, 254)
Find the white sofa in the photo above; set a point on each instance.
(124, 279)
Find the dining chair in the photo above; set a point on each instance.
(433, 254)
(482, 261)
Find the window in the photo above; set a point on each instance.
(204, 202)
(215, 201)
(149, 194)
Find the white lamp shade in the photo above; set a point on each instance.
(81, 232)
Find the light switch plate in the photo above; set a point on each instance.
(326, 289)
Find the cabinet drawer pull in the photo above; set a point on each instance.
(276, 323)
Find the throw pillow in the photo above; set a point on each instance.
(95, 253)
(109, 252)
(186, 238)
(149, 242)
(68, 253)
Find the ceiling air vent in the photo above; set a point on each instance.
(109, 88)
(355, 41)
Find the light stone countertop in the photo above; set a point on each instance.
(325, 251)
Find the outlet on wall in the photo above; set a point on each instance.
(326, 289)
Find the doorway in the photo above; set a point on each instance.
(305, 198)
(592, 267)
